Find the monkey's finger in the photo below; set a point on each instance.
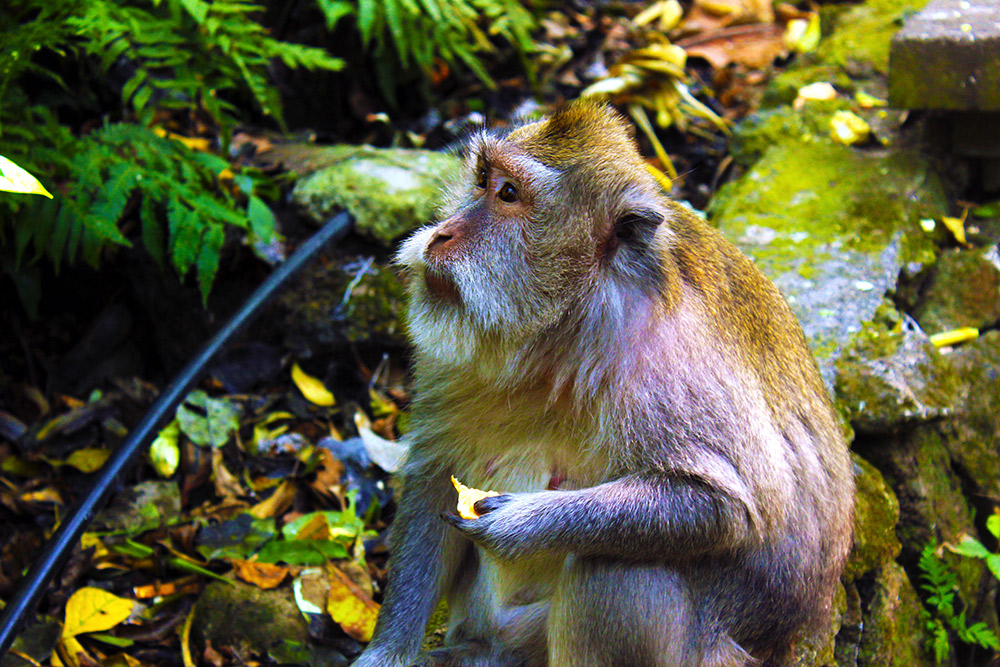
(490, 503)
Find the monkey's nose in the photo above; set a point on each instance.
(440, 238)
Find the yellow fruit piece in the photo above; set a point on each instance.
(467, 497)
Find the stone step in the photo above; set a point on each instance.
(948, 57)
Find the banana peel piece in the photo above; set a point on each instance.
(468, 497)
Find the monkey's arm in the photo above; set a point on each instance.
(646, 516)
(423, 562)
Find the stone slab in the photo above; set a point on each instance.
(948, 57)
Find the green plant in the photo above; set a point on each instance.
(421, 31)
(171, 59)
(941, 584)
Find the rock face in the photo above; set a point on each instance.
(946, 57)
(807, 213)
(389, 191)
(964, 291)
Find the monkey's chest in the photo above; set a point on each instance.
(495, 460)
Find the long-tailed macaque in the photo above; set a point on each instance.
(675, 489)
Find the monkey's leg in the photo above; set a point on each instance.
(632, 615)
(424, 563)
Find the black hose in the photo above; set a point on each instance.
(58, 548)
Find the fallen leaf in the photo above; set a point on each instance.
(350, 607)
(802, 35)
(277, 503)
(88, 459)
(93, 610)
(956, 226)
(312, 388)
(755, 46)
(848, 128)
(208, 422)
(47, 495)
(954, 337)
(165, 452)
(261, 575)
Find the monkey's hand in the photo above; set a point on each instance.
(502, 524)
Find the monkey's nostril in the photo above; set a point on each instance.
(439, 239)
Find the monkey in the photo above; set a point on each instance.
(674, 486)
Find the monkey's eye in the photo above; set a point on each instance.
(508, 193)
(481, 178)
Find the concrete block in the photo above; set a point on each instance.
(948, 57)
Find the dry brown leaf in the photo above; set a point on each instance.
(754, 46)
(350, 607)
(261, 575)
(710, 15)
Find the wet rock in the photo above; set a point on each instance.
(964, 291)
(973, 438)
(248, 618)
(388, 191)
(876, 512)
(808, 214)
(358, 301)
(917, 466)
(892, 378)
(893, 634)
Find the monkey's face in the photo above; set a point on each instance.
(503, 261)
(553, 222)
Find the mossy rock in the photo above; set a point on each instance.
(809, 215)
(876, 512)
(893, 378)
(860, 36)
(389, 191)
(964, 291)
(249, 618)
(893, 633)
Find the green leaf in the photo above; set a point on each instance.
(208, 258)
(238, 537)
(301, 552)
(208, 422)
(993, 564)
(969, 546)
(993, 524)
(262, 221)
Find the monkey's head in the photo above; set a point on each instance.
(549, 219)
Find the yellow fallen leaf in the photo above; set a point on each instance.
(954, 337)
(668, 13)
(468, 497)
(16, 179)
(848, 128)
(312, 388)
(277, 503)
(94, 610)
(69, 650)
(956, 226)
(350, 606)
(88, 459)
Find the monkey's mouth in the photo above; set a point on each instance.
(441, 286)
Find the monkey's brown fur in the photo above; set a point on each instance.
(675, 488)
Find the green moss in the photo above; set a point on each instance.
(861, 35)
(876, 512)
